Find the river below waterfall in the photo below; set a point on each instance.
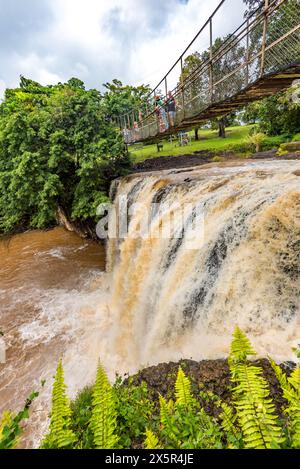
(48, 310)
(160, 299)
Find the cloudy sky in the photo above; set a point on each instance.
(135, 41)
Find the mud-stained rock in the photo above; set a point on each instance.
(202, 157)
(291, 146)
(208, 375)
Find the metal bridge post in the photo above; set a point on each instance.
(182, 87)
(156, 116)
(211, 82)
(264, 38)
(247, 54)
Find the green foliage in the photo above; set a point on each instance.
(57, 149)
(291, 392)
(235, 141)
(229, 426)
(60, 435)
(81, 409)
(281, 151)
(184, 424)
(10, 428)
(276, 114)
(125, 415)
(183, 390)
(296, 137)
(151, 441)
(120, 99)
(240, 348)
(134, 411)
(256, 139)
(255, 410)
(218, 159)
(104, 416)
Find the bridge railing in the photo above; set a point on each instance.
(263, 43)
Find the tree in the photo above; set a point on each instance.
(191, 63)
(279, 113)
(276, 114)
(122, 99)
(250, 114)
(197, 91)
(56, 150)
(252, 6)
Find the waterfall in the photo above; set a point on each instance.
(191, 253)
(170, 299)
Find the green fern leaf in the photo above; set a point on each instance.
(103, 420)
(151, 441)
(291, 392)
(183, 389)
(60, 435)
(241, 347)
(255, 410)
(228, 418)
(165, 410)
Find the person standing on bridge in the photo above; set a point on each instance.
(161, 114)
(136, 131)
(171, 108)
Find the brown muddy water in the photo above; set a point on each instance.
(48, 302)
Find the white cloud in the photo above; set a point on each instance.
(98, 40)
(2, 89)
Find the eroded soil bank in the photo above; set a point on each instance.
(197, 158)
(208, 375)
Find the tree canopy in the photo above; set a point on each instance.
(120, 99)
(57, 149)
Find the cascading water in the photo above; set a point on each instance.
(170, 300)
(232, 256)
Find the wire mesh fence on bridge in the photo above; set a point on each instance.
(266, 42)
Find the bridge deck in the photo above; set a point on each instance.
(262, 88)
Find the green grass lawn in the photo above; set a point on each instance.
(209, 140)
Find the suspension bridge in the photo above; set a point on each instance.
(258, 59)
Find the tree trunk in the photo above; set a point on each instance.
(222, 133)
(196, 133)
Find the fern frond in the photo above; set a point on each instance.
(151, 441)
(6, 419)
(255, 409)
(228, 418)
(103, 420)
(291, 392)
(241, 346)
(183, 389)
(294, 379)
(165, 410)
(60, 435)
(6, 422)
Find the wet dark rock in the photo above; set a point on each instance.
(161, 194)
(208, 375)
(168, 162)
(264, 155)
(133, 191)
(171, 255)
(229, 238)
